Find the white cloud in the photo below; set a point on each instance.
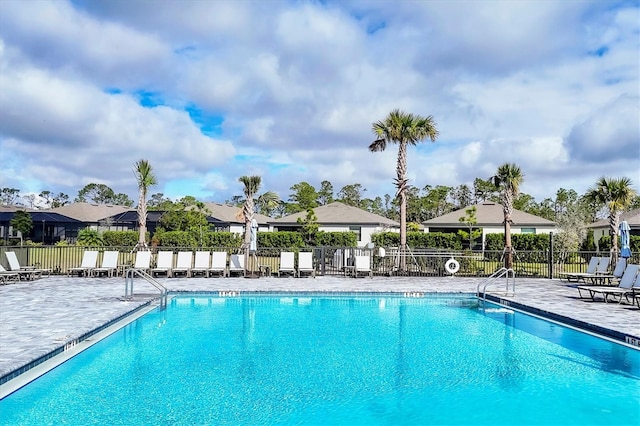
(293, 88)
(88, 135)
(611, 131)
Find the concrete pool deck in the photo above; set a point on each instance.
(43, 316)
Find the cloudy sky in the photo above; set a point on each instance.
(209, 91)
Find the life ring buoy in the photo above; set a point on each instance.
(452, 266)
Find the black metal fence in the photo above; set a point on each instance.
(337, 260)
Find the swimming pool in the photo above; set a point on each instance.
(296, 359)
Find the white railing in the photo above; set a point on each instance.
(128, 284)
(509, 276)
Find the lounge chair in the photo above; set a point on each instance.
(287, 263)
(218, 263)
(603, 279)
(363, 265)
(305, 264)
(6, 276)
(89, 262)
(592, 267)
(143, 261)
(109, 264)
(183, 264)
(628, 282)
(164, 264)
(28, 272)
(201, 264)
(236, 264)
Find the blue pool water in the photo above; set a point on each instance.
(337, 360)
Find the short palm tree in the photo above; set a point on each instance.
(146, 179)
(508, 180)
(616, 194)
(404, 129)
(251, 187)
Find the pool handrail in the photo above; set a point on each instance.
(128, 284)
(502, 272)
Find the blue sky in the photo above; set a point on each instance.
(209, 91)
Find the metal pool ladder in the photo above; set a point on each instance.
(509, 276)
(128, 285)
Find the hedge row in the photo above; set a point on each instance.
(281, 239)
(435, 240)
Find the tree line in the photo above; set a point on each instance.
(411, 204)
(423, 203)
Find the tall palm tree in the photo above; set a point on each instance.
(508, 180)
(146, 179)
(404, 129)
(616, 194)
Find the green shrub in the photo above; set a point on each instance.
(10, 242)
(176, 239)
(281, 239)
(121, 238)
(604, 243)
(88, 237)
(336, 239)
(223, 239)
(432, 240)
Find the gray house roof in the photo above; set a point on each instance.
(226, 213)
(339, 214)
(489, 214)
(90, 213)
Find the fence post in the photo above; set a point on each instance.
(550, 255)
(323, 260)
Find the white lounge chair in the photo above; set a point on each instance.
(89, 262)
(305, 264)
(143, 261)
(201, 264)
(628, 282)
(109, 264)
(592, 267)
(6, 276)
(164, 264)
(218, 263)
(28, 272)
(363, 266)
(287, 263)
(236, 264)
(183, 264)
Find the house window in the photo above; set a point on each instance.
(357, 230)
(528, 230)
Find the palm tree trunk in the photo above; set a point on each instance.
(507, 210)
(247, 212)
(142, 220)
(613, 233)
(508, 251)
(401, 184)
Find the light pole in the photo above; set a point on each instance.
(43, 231)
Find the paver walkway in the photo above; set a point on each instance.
(41, 316)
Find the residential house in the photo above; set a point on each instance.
(601, 227)
(490, 218)
(48, 227)
(339, 217)
(128, 221)
(93, 216)
(229, 215)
